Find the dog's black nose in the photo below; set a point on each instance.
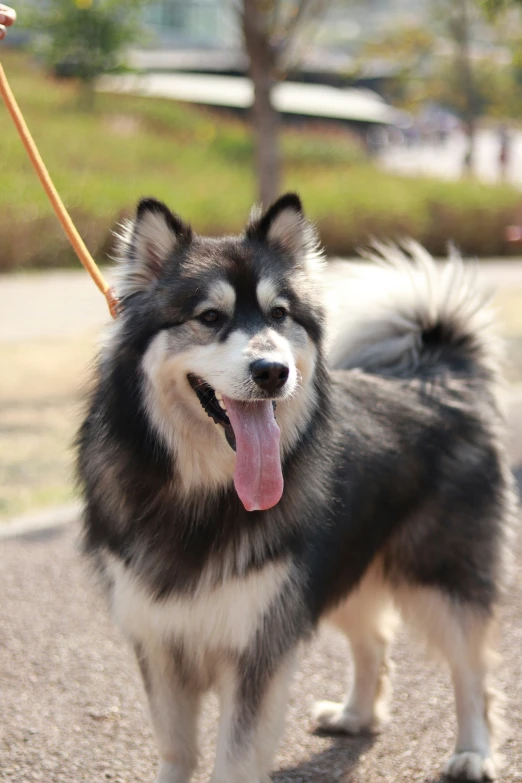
(269, 376)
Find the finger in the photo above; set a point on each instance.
(7, 16)
(2, 32)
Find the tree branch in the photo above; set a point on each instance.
(287, 51)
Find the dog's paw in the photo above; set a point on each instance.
(332, 716)
(467, 765)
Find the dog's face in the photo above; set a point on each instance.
(229, 330)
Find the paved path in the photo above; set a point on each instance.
(73, 709)
(67, 303)
(49, 304)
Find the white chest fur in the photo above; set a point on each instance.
(222, 618)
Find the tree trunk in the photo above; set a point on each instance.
(266, 129)
(462, 38)
(266, 120)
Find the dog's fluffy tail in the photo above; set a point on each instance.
(406, 314)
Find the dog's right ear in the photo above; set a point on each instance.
(285, 226)
(147, 243)
(283, 223)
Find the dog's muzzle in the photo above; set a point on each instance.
(252, 431)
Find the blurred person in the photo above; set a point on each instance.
(412, 134)
(7, 18)
(504, 151)
(376, 139)
(444, 129)
(467, 160)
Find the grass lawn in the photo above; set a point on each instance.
(200, 163)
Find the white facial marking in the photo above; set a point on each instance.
(267, 295)
(222, 297)
(203, 457)
(223, 365)
(294, 413)
(266, 292)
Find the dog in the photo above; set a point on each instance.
(239, 488)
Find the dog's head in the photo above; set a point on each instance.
(229, 332)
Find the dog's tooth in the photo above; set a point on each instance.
(219, 396)
(222, 405)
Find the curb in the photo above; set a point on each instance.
(43, 520)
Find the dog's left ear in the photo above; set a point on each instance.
(284, 225)
(147, 243)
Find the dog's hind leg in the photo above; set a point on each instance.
(368, 619)
(174, 706)
(460, 632)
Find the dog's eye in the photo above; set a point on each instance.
(278, 313)
(210, 317)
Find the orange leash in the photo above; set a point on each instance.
(61, 213)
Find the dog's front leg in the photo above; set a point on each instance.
(174, 702)
(253, 696)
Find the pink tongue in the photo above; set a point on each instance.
(257, 477)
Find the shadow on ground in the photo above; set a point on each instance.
(335, 763)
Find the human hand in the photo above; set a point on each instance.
(7, 18)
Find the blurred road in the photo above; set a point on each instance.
(72, 703)
(67, 303)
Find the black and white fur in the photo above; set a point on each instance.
(397, 493)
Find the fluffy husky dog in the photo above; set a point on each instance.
(238, 490)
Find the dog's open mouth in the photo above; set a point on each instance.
(213, 407)
(252, 431)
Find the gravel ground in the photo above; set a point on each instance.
(73, 708)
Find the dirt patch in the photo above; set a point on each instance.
(43, 383)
